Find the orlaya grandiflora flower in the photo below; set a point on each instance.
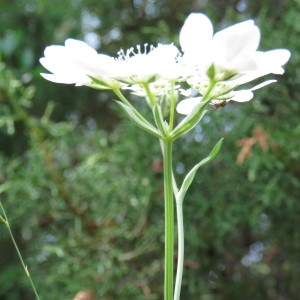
(77, 63)
(186, 106)
(226, 59)
(156, 68)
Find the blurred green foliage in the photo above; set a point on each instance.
(85, 199)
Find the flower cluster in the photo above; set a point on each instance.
(228, 58)
(212, 64)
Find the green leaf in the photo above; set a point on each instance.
(190, 176)
(191, 120)
(138, 119)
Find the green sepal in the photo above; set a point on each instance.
(138, 119)
(190, 176)
(191, 120)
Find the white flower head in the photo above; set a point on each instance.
(227, 58)
(229, 52)
(77, 63)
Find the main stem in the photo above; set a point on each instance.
(169, 219)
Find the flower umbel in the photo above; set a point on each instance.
(77, 63)
(228, 58)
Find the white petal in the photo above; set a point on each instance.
(164, 52)
(249, 77)
(159, 63)
(242, 96)
(79, 48)
(66, 78)
(240, 37)
(100, 65)
(273, 60)
(59, 65)
(87, 58)
(56, 58)
(55, 51)
(280, 56)
(73, 63)
(196, 32)
(246, 95)
(162, 62)
(235, 45)
(259, 86)
(186, 106)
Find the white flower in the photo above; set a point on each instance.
(186, 106)
(160, 63)
(75, 62)
(228, 59)
(229, 52)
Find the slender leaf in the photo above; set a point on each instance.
(138, 119)
(190, 176)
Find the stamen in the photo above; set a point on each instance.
(122, 56)
(138, 47)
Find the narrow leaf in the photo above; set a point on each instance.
(190, 176)
(139, 120)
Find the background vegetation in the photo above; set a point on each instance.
(85, 185)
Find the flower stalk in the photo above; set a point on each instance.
(6, 222)
(169, 219)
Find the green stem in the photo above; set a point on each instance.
(211, 86)
(180, 260)
(122, 97)
(169, 219)
(149, 95)
(126, 102)
(18, 252)
(172, 107)
(180, 227)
